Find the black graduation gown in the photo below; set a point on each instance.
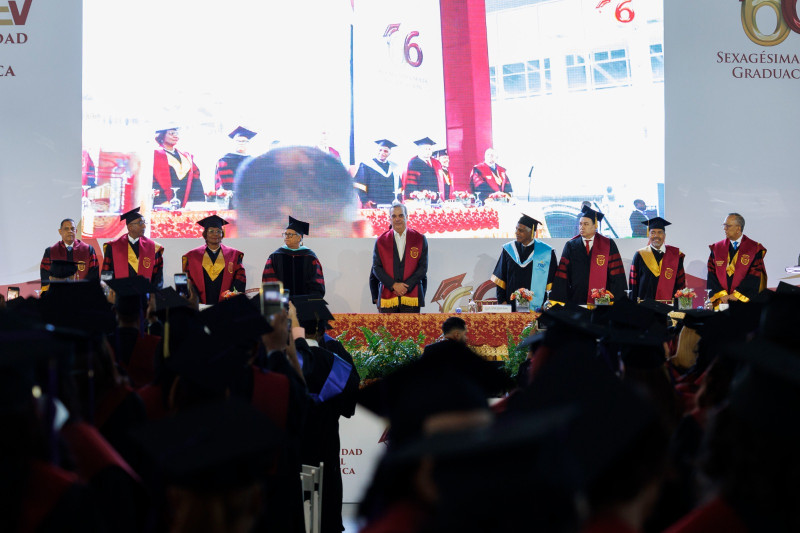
(516, 277)
(571, 283)
(299, 270)
(427, 180)
(379, 188)
(643, 283)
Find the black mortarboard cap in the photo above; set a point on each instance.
(656, 223)
(639, 349)
(656, 307)
(172, 127)
(208, 364)
(235, 319)
(60, 268)
(778, 319)
(313, 312)
(78, 305)
(244, 132)
(131, 215)
(169, 298)
(213, 448)
(439, 153)
(532, 341)
(424, 141)
(528, 222)
(213, 221)
(588, 212)
(130, 293)
(385, 142)
(299, 226)
(784, 287)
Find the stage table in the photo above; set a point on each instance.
(487, 333)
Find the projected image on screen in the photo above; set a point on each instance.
(252, 112)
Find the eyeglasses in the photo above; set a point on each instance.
(139, 222)
(290, 235)
(214, 231)
(726, 226)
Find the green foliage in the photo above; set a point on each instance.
(517, 355)
(383, 353)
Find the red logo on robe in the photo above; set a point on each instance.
(414, 252)
(230, 267)
(745, 259)
(668, 273)
(601, 260)
(146, 262)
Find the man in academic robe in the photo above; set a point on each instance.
(294, 265)
(400, 263)
(445, 179)
(133, 254)
(69, 249)
(214, 268)
(657, 269)
(377, 180)
(173, 168)
(489, 177)
(589, 261)
(422, 171)
(227, 165)
(736, 264)
(525, 263)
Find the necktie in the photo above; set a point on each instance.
(735, 245)
(588, 250)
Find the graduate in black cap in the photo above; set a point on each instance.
(133, 254)
(296, 266)
(589, 261)
(214, 268)
(488, 177)
(227, 165)
(422, 173)
(175, 168)
(657, 269)
(69, 249)
(525, 263)
(376, 180)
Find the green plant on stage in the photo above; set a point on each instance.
(517, 355)
(382, 354)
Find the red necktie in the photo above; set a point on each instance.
(588, 250)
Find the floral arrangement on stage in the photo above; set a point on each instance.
(601, 296)
(423, 195)
(219, 193)
(522, 295)
(461, 195)
(499, 196)
(229, 294)
(685, 297)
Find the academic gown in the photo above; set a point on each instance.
(299, 270)
(750, 285)
(213, 287)
(321, 435)
(421, 176)
(643, 283)
(509, 276)
(376, 182)
(157, 277)
(571, 282)
(385, 276)
(176, 169)
(82, 253)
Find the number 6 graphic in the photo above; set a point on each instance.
(408, 46)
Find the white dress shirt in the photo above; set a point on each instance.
(400, 242)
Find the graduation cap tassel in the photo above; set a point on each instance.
(166, 334)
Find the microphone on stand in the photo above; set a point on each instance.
(530, 174)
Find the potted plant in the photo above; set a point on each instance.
(685, 297)
(602, 296)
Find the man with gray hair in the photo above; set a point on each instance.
(736, 264)
(400, 266)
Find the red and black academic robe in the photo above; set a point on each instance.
(376, 182)
(740, 273)
(144, 258)
(226, 171)
(177, 169)
(135, 354)
(656, 275)
(213, 273)
(579, 272)
(81, 253)
(421, 176)
(486, 180)
(716, 515)
(411, 269)
(445, 182)
(509, 276)
(299, 270)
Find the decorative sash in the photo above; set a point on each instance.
(197, 260)
(598, 265)
(123, 255)
(271, 395)
(335, 382)
(540, 257)
(495, 179)
(739, 264)
(80, 254)
(386, 247)
(666, 272)
(183, 168)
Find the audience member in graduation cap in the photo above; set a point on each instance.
(134, 254)
(657, 269)
(229, 163)
(422, 173)
(214, 268)
(588, 261)
(296, 266)
(525, 263)
(333, 385)
(173, 168)
(377, 180)
(209, 466)
(488, 177)
(297, 180)
(69, 248)
(736, 264)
